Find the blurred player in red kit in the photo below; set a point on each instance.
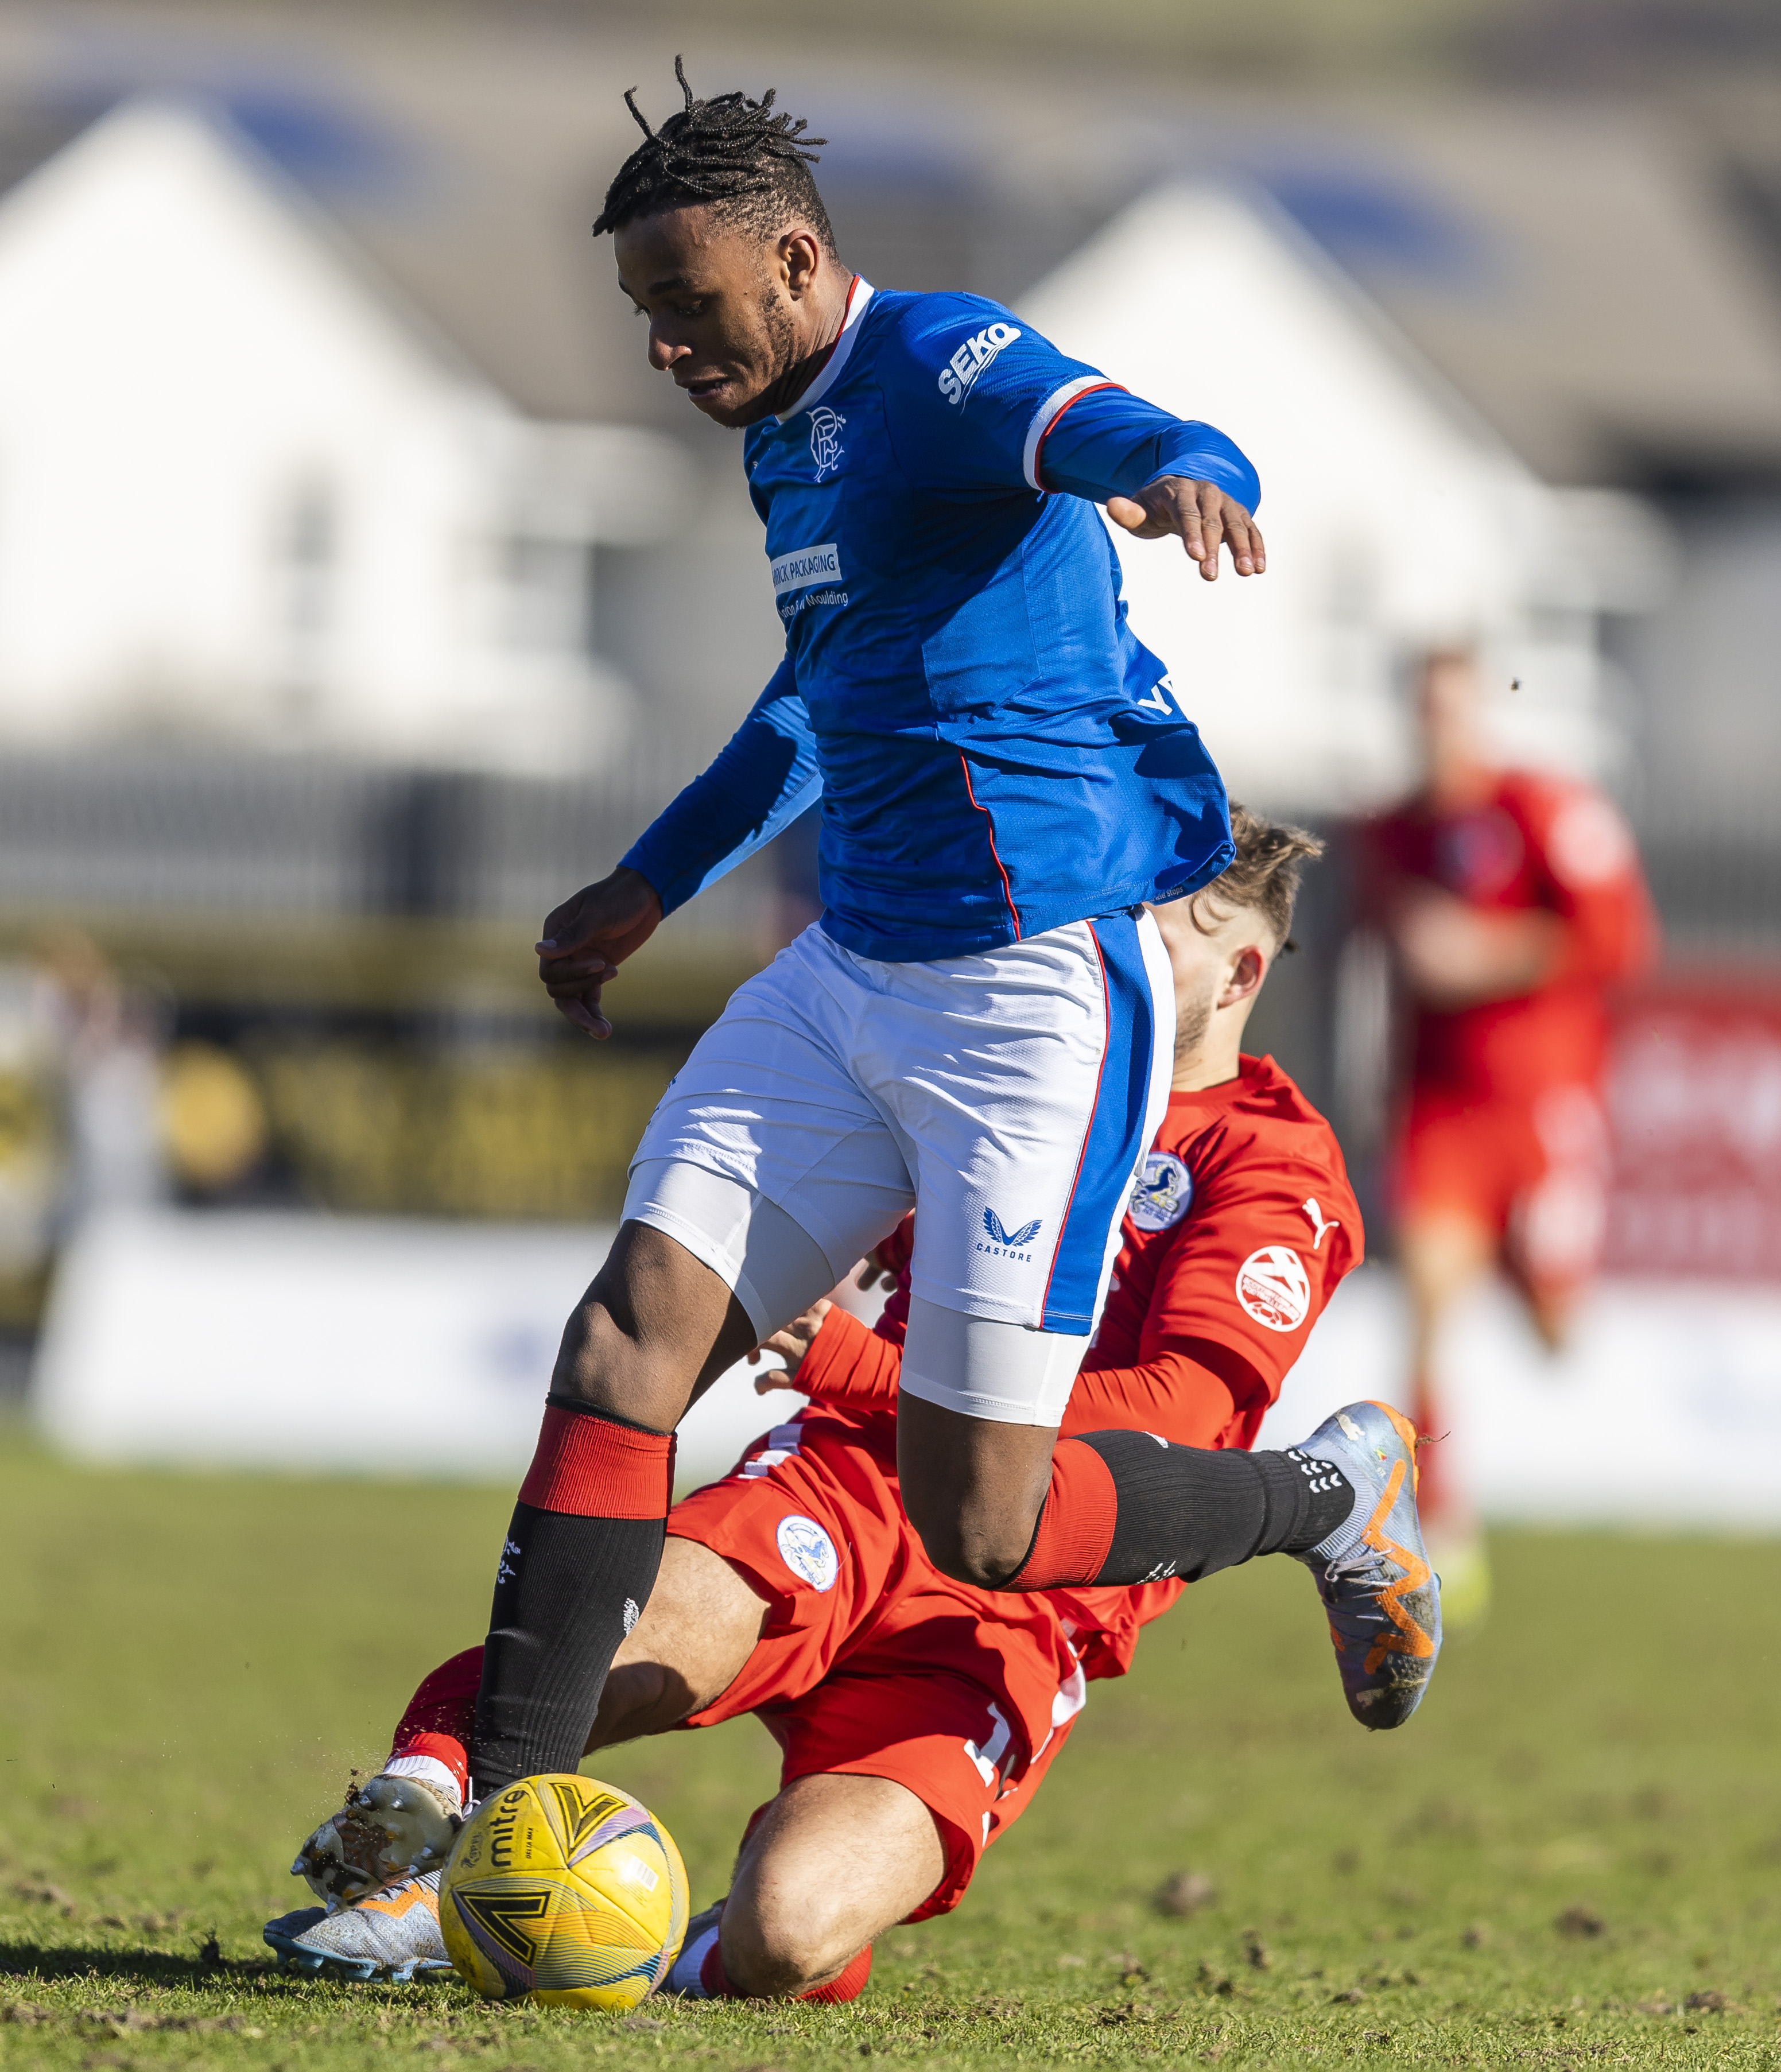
(918, 1714)
(1513, 901)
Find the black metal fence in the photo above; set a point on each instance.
(171, 831)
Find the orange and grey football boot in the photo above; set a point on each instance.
(1382, 1599)
(394, 1935)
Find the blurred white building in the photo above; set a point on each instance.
(409, 220)
(245, 491)
(1395, 519)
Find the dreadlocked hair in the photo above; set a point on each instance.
(737, 155)
(1264, 874)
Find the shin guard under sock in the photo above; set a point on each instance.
(577, 1568)
(1126, 1507)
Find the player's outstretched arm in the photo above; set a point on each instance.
(1203, 516)
(1002, 407)
(763, 777)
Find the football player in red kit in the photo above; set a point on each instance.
(917, 1715)
(1512, 901)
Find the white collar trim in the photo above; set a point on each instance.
(858, 296)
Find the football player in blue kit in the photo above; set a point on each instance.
(983, 1020)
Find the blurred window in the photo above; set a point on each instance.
(550, 595)
(306, 565)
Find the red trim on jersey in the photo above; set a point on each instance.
(1089, 1129)
(1039, 450)
(827, 352)
(1007, 890)
(590, 1468)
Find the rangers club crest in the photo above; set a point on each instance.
(1163, 1194)
(825, 445)
(1273, 1287)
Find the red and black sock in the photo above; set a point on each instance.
(438, 1723)
(577, 1568)
(444, 1702)
(1127, 1508)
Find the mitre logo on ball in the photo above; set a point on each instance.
(565, 1890)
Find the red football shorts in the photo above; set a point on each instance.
(1532, 1168)
(872, 1664)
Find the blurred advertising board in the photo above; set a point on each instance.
(1664, 1413)
(1694, 1097)
(303, 1343)
(387, 1348)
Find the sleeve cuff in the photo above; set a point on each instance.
(657, 874)
(1047, 415)
(850, 1365)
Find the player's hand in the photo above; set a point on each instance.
(586, 939)
(791, 1344)
(875, 1268)
(1201, 516)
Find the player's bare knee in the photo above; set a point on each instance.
(592, 1359)
(971, 1549)
(609, 1362)
(777, 1945)
(654, 1323)
(983, 1568)
(972, 1489)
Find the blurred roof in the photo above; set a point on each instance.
(1615, 317)
(1597, 274)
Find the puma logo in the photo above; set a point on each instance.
(1310, 1206)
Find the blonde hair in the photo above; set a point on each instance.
(1264, 875)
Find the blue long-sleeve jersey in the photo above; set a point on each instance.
(995, 751)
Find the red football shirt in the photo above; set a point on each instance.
(1537, 844)
(1238, 1232)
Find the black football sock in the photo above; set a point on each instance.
(1125, 1507)
(577, 1568)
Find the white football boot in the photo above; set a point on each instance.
(403, 1820)
(393, 1935)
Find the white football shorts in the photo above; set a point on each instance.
(1011, 1096)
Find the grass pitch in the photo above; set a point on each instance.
(1568, 1858)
